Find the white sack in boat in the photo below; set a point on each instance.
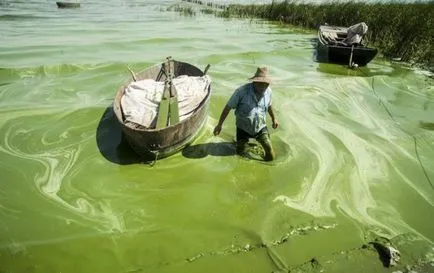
(141, 99)
(355, 33)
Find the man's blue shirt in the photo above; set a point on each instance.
(249, 111)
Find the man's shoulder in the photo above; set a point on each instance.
(243, 88)
(268, 92)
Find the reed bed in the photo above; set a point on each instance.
(184, 10)
(401, 31)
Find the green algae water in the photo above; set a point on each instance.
(355, 151)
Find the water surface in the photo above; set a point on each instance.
(354, 150)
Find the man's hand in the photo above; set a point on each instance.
(217, 129)
(275, 124)
(222, 118)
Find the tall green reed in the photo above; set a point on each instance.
(399, 30)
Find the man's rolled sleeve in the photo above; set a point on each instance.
(270, 97)
(234, 100)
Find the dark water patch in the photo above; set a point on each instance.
(337, 69)
(110, 142)
(222, 149)
(367, 71)
(215, 149)
(384, 254)
(427, 125)
(21, 17)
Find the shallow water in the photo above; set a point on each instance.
(354, 150)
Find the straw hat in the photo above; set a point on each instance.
(261, 75)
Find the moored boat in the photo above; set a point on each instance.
(68, 4)
(176, 120)
(342, 45)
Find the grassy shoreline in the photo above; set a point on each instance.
(401, 31)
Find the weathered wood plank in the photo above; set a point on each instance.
(163, 109)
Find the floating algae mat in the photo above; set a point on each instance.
(353, 174)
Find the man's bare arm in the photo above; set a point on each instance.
(222, 118)
(273, 117)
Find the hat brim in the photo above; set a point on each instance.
(261, 79)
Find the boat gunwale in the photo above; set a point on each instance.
(160, 143)
(327, 44)
(141, 128)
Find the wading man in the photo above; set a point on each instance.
(251, 102)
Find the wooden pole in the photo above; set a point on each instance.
(351, 56)
(132, 74)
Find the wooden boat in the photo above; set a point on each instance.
(63, 5)
(343, 45)
(156, 143)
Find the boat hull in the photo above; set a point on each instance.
(63, 5)
(338, 45)
(342, 54)
(154, 144)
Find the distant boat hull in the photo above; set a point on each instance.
(339, 53)
(152, 144)
(63, 5)
(342, 54)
